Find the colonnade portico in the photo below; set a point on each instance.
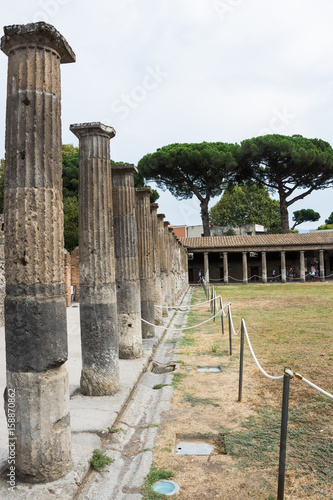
(264, 258)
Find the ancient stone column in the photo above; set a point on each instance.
(321, 265)
(302, 265)
(156, 264)
(127, 262)
(225, 268)
(163, 265)
(206, 266)
(245, 276)
(264, 267)
(98, 297)
(283, 267)
(169, 298)
(145, 246)
(35, 309)
(171, 267)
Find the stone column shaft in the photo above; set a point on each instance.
(225, 268)
(321, 265)
(264, 267)
(283, 267)
(163, 267)
(245, 276)
(145, 246)
(302, 265)
(35, 309)
(206, 266)
(127, 261)
(98, 297)
(167, 264)
(156, 264)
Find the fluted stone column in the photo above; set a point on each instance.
(245, 275)
(283, 267)
(156, 264)
(172, 283)
(98, 297)
(35, 309)
(163, 265)
(264, 267)
(225, 268)
(169, 298)
(302, 265)
(145, 246)
(127, 262)
(321, 265)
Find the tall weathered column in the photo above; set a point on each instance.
(321, 265)
(156, 264)
(127, 261)
(98, 296)
(206, 266)
(35, 309)
(245, 275)
(163, 265)
(145, 246)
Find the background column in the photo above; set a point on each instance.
(225, 268)
(163, 266)
(321, 265)
(35, 309)
(302, 265)
(98, 297)
(283, 267)
(156, 264)
(245, 277)
(264, 267)
(145, 246)
(206, 266)
(127, 261)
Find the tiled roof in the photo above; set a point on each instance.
(260, 240)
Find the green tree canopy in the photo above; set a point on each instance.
(191, 169)
(285, 164)
(70, 170)
(330, 219)
(304, 215)
(245, 203)
(71, 222)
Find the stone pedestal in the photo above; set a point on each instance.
(145, 246)
(127, 262)
(35, 309)
(156, 264)
(98, 296)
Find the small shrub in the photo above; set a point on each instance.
(99, 460)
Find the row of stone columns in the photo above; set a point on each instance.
(264, 266)
(129, 260)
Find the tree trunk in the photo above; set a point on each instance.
(205, 216)
(284, 214)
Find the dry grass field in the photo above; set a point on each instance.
(290, 325)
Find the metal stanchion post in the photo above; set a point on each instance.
(283, 438)
(230, 337)
(214, 304)
(240, 385)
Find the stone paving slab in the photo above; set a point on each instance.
(89, 416)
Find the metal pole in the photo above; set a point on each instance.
(230, 337)
(222, 314)
(283, 438)
(240, 385)
(214, 304)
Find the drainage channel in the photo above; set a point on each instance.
(133, 435)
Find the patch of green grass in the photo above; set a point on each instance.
(187, 341)
(153, 476)
(159, 386)
(177, 378)
(148, 426)
(200, 401)
(99, 460)
(113, 431)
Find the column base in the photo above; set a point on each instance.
(40, 435)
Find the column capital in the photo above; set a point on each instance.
(92, 128)
(143, 191)
(153, 206)
(36, 34)
(127, 168)
(161, 216)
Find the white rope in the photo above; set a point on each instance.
(193, 305)
(254, 356)
(232, 324)
(313, 385)
(187, 327)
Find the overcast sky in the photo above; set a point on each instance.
(165, 71)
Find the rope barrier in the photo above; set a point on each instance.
(232, 324)
(193, 305)
(294, 278)
(187, 327)
(297, 375)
